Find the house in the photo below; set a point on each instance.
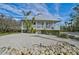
(43, 22)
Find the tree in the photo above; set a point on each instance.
(73, 23)
(75, 18)
(29, 23)
(8, 24)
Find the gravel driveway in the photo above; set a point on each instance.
(21, 40)
(37, 44)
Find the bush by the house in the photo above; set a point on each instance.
(71, 36)
(77, 38)
(50, 32)
(33, 30)
(63, 35)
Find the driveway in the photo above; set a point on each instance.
(21, 40)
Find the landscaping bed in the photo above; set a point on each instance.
(61, 48)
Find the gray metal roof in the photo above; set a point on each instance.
(46, 17)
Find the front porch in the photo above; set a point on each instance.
(45, 25)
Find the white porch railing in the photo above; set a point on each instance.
(41, 27)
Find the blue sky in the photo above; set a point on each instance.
(59, 10)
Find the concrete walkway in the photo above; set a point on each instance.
(21, 40)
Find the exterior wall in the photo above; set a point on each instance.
(42, 25)
(45, 25)
(57, 26)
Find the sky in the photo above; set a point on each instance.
(58, 10)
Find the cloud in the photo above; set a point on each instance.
(8, 7)
(34, 7)
(57, 7)
(43, 8)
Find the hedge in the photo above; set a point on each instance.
(50, 32)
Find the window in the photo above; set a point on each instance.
(52, 27)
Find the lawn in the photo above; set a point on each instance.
(1, 34)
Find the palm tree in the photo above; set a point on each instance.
(33, 22)
(26, 21)
(29, 24)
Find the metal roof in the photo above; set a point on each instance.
(46, 17)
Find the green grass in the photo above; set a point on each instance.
(2, 34)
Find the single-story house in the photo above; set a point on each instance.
(43, 22)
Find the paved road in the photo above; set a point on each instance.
(21, 40)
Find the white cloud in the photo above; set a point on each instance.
(8, 7)
(42, 8)
(35, 8)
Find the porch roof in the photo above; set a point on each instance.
(46, 18)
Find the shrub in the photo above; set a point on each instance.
(77, 38)
(63, 35)
(33, 30)
(71, 36)
(50, 32)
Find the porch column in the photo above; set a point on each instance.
(44, 25)
(54, 25)
(36, 25)
(22, 26)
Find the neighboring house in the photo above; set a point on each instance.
(43, 22)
